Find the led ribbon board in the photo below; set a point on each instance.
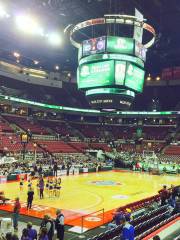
(44, 106)
(112, 56)
(110, 19)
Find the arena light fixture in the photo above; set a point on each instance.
(54, 38)
(28, 24)
(3, 13)
(36, 62)
(149, 77)
(16, 54)
(56, 67)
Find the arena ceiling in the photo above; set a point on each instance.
(56, 14)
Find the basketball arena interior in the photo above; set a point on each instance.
(89, 120)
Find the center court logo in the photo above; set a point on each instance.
(105, 183)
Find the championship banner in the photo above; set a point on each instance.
(138, 31)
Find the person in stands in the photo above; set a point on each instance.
(116, 220)
(32, 233)
(59, 224)
(16, 211)
(173, 195)
(43, 234)
(127, 231)
(164, 195)
(156, 237)
(25, 235)
(49, 225)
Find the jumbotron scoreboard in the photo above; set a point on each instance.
(111, 68)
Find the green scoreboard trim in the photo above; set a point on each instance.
(112, 56)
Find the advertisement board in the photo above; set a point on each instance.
(96, 74)
(120, 71)
(134, 77)
(120, 45)
(93, 46)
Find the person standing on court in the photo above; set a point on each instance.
(30, 198)
(41, 188)
(59, 224)
(16, 211)
(55, 169)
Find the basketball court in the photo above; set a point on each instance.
(87, 193)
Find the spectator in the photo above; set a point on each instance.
(116, 220)
(164, 195)
(49, 225)
(16, 210)
(127, 231)
(177, 206)
(25, 235)
(174, 194)
(43, 234)
(59, 224)
(40, 170)
(156, 237)
(10, 236)
(30, 198)
(32, 233)
(127, 214)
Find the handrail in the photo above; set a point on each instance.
(89, 214)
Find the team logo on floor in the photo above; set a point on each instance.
(120, 197)
(105, 183)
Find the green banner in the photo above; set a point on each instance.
(120, 45)
(96, 74)
(134, 77)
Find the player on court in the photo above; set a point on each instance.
(58, 187)
(54, 187)
(21, 183)
(37, 187)
(47, 186)
(29, 183)
(51, 188)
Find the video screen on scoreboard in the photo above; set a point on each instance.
(96, 74)
(120, 45)
(140, 51)
(94, 45)
(134, 77)
(120, 72)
